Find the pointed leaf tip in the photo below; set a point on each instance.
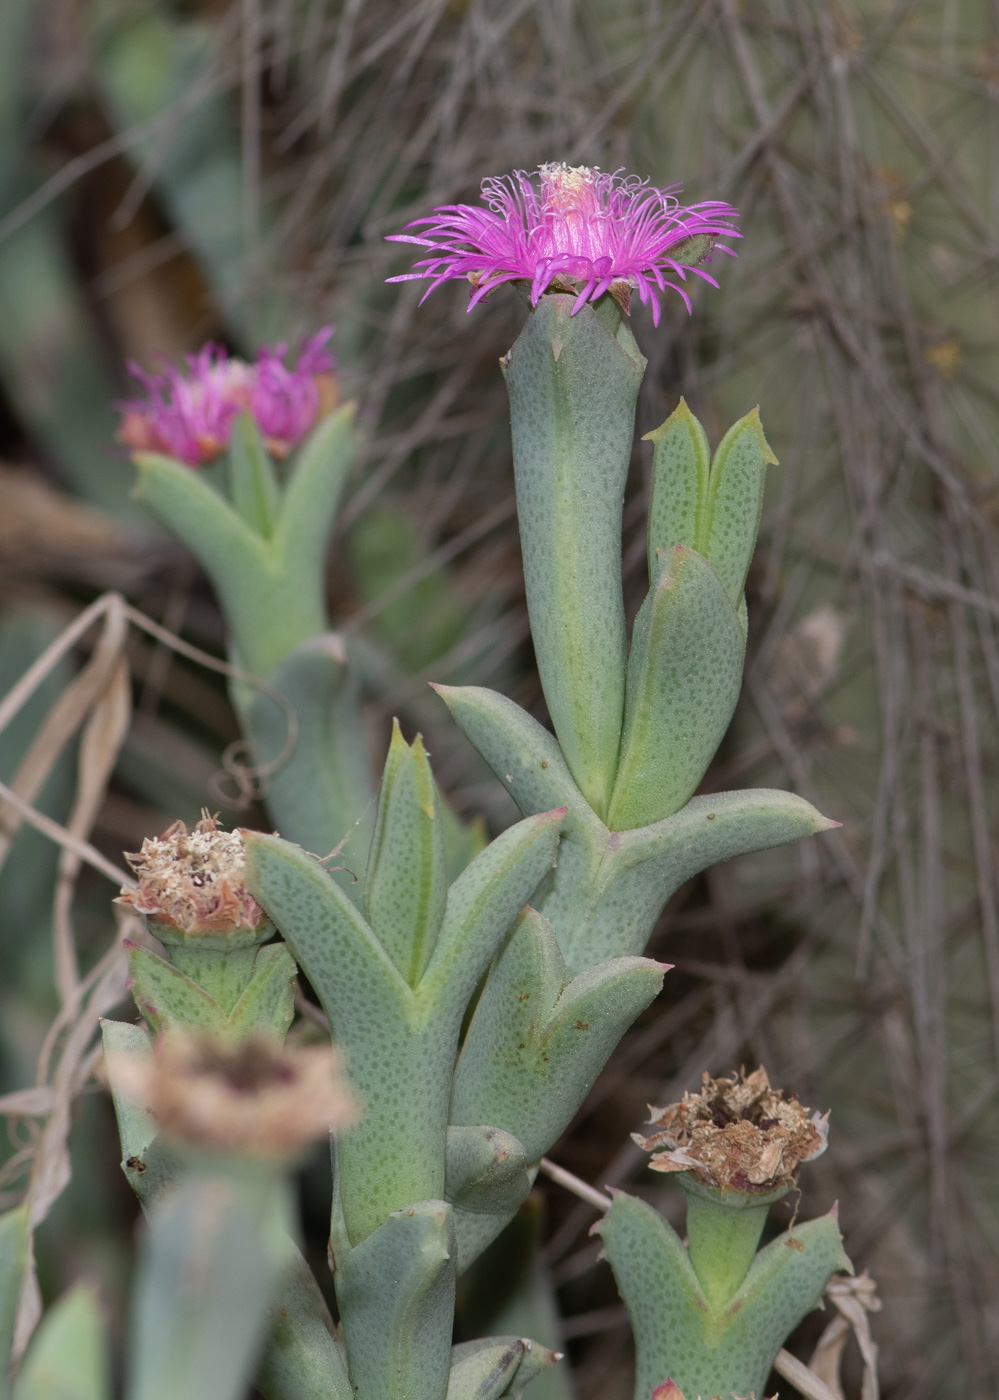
(753, 416)
(679, 413)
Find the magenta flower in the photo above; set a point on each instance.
(189, 415)
(583, 231)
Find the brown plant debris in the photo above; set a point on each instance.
(255, 1097)
(193, 881)
(737, 1133)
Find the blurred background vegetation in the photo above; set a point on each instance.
(171, 173)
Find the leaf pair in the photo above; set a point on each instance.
(396, 1291)
(396, 992)
(262, 992)
(685, 665)
(264, 548)
(677, 1333)
(609, 887)
(538, 1039)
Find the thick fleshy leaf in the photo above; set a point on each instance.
(207, 1272)
(267, 1006)
(681, 462)
(396, 1039)
(538, 1041)
(302, 1360)
(318, 472)
(484, 1369)
(168, 997)
(395, 1292)
(486, 1170)
(265, 621)
(372, 1014)
(573, 385)
(482, 904)
(730, 1351)
(612, 908)
(405, 890)
(495, 1366)
(609, 888)
(319, 794)
(487, 1177)
(68, 1355)
(253, 483)
(13, 1262)
(684, 678)
(272, 589)
(735, 501)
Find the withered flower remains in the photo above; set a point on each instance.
(737, 1134)
(192, 883)
(252, 1097)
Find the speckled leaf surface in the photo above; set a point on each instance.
(684, 678)
(482, 904)
(677, 1335)
(735, 501)
(538, 1041)
(495, 1366)
(609, 888)
(166, 996)
(396, 1038)
(405, 890)
(573, 386)
(681, 462)
(302, 1360)
(396, 1297)
(486, 1170)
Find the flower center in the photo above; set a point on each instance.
(568, 190)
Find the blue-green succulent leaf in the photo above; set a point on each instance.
(681, 462)
(609, 888)
(302, 1360)
(267, 1006)
(136, 1127)
(395, 1292)
(486, 1170)
(495, 1366)
(405, 890)
(677, 1335)
(318, 472)
(207, 1272)
(573, 385)
(253, 483)
(482, 904)
(68, 1355)
(537, 1041)
(168, 997)
(319, 794)
(244, 568)
(521, 752)
(684, 678)
(373, 1017)
(727, 536)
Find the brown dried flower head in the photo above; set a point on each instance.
(251, 1097)
(192, 883)
(737, 1134)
